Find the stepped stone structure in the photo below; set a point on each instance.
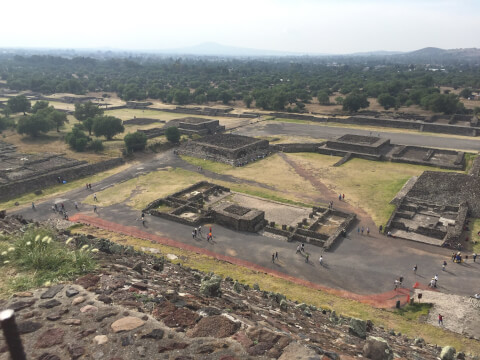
(435, 208)
(376, 148)
(194, 125)
(21, 173)
(231, 149)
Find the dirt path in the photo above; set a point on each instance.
(383, 300)
(327, 195)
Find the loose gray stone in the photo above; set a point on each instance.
(50, 304)
(211, 286)
(377, 348)
(50, 293)
(358, 328)
(28, 327)
(447, 353)
(155, 334)
(71, 292)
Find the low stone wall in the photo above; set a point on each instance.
(12, 190)
(341, 229)
(296, 147)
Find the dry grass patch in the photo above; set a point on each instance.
(128, 114)
(275, 172)
(295, 292)
(142, 190)
(370, 185)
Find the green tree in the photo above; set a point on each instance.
(355, 102)
(247, 99)
(173, 134)
(181, 96)
(466, 93)
(39, 105)
(19, 104)
(58, 118)
(386, 100)
(323, 97)
(5, 123)
(77, 139)
(136, 141)
(445, 103)
(107, 126)
(35, 124)
(86, 111)
(88, 124)
(339, 100)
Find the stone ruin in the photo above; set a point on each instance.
(376, 148)
(435, 207)
(21, 173)
(194, 125)
(205, 202)
(428, 222)
(236, 150)
(323, 227)
(188, 207)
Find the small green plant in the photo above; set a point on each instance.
(39, 259)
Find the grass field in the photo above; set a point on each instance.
(405, 322)
(370, 185)
(142, 190)
(127, 114)
(473, 235)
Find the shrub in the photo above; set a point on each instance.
(172, 134)
(96, 145)
(45, 259)
(77, 139)
(136, 141)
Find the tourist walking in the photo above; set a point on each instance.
(194, 234)
(474, 257)
(298, 249)
(362, 230)
(276, 255)
(273, 258)
(415, 268)
(94, 208)
(306, 258)
(368, 231)
(444, 265)
(358, 230)
(95, 197)
(33, 205)
(303, 247)
(76, 205)
(321, 260)
(435, 278)
(340, 197)
(440, 319)
(200, 231)
(380, 228)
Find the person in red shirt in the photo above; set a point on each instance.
(440, 319)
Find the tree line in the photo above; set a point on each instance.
(281, 84)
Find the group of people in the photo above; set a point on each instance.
(362, 230)
(61, 209)
(198, 232)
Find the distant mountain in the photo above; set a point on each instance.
(376, 53)
(433, 55)
(215, 49)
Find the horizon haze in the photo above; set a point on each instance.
(296, 27)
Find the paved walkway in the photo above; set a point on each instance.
(384, 300)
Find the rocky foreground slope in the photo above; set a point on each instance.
(137, 306)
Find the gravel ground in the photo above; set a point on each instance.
(460, 313)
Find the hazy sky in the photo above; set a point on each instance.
(316, 26)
